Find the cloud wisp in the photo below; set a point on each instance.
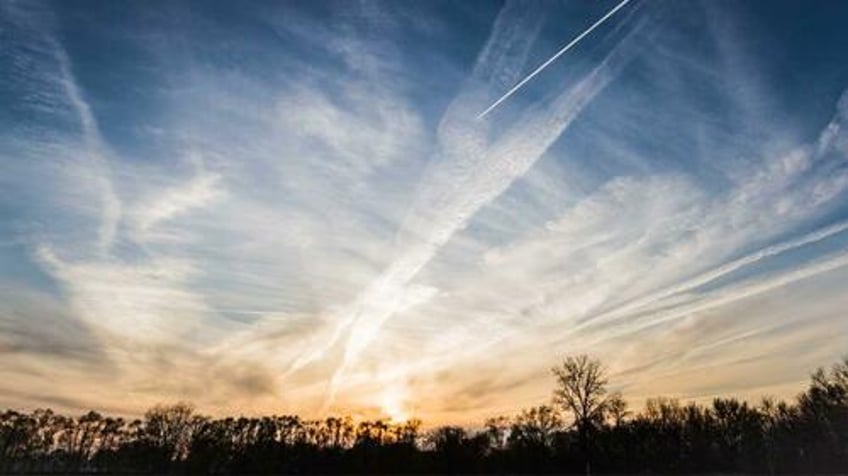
(553, 58)
(469, 171)
(299, 208)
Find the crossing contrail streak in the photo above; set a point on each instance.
(553, 58)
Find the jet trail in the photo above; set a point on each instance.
(553, 58)
(705, 278)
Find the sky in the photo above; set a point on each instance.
(295, 207)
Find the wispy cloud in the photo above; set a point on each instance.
(302, 205)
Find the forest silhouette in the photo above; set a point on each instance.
(585, 429)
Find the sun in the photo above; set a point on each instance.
(395, 413)
(392, 405)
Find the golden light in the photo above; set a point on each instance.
(392, 404)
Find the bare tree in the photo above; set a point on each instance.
(581, 391)
(616, 409)
(170, 429)
(497, 431)
(536, 426)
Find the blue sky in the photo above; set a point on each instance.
(293, 206)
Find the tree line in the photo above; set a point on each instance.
(584, 429)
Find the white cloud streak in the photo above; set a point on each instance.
(553, 58)
(468, 173)
(312, 210)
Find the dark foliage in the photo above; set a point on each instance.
(809, 435)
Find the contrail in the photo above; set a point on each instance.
(718, 272)
(553, 58)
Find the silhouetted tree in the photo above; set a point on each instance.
(455, 450)
(823, 418)
(581, 390)
(809, 434)
(168, 431)
(535, 427)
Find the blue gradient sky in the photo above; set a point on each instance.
(291, 206)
